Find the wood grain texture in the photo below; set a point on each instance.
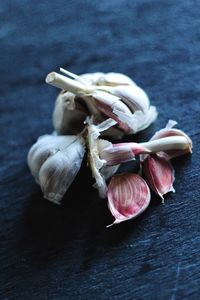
(50, 252)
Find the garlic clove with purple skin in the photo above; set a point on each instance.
(54, 161)
(159, 174)
(128, 196)
(168, 132)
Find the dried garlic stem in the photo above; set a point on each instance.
(65, 83)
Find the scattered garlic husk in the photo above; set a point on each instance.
(54, 162)
(128, 196)
(159, 174)
(110, 96)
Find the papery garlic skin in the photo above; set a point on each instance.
(159, 174)
(100, 171)
(128, 196)
(54, 162)
(69, 114)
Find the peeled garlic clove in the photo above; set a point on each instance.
(159, 174)
(69, 114)
(169, 131)
(54, 162)
(128, 196)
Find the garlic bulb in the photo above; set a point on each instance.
(54, 162)
(111, 95)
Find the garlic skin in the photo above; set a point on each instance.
(69, 114)
(159, 174)
(128, 196)
(100, 171)
(54, 162)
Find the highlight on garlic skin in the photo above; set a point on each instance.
(111, 95)
(54, 162)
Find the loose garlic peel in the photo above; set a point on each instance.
(90, 109)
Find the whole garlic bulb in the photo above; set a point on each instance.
(54, 162)
(101, 95)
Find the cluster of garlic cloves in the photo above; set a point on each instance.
(90, 111)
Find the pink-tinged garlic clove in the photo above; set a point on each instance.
(159, 174)
(128, 196)
(169, 131)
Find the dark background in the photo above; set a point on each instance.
(50, 252)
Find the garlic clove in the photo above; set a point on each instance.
(138, 120)
(54, 162)
(159, 174)
(106, 103)
(128, 196)
(169, 131)
(133, 96)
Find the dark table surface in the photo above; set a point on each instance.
(51, 252)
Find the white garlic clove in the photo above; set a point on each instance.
(54, 162)
(133, 96)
